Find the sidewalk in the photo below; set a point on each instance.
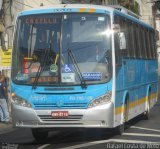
(4, 128)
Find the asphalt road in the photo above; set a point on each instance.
(139, 134)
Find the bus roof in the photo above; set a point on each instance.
(86, 8)
(134, 19)
(68, 8)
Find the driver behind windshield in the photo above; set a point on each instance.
(42, 46)
(41, 43)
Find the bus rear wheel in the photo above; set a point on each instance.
(39, 134)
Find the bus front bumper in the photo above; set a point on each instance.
(97, 117)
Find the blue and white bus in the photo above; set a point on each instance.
(81, 66)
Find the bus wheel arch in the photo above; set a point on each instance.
(146, 114)
(126, 108)
(124, 115)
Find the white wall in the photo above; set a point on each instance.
(20, 5)
(37, 3)
(146, 11)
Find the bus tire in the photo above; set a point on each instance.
(146, 114)
(119, 130)
(39, 134)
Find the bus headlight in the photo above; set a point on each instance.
(101, 100)
(20, 101)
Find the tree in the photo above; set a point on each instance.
(157, 4)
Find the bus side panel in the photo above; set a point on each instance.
(134, 77)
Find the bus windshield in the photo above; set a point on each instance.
(42, 44)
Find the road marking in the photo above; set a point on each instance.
(86, 144)
(43, 146)
(110, 141)
(145, 128)
(141, 134)
(117, 140)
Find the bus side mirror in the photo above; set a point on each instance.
(122, 41)
(5, 41)
(121, 37)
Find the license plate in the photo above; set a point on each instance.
(59, 114)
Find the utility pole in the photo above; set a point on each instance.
(7, 33)
(8, 18)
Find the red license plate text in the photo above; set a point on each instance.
(59, 114)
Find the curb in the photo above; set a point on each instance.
(4, 128)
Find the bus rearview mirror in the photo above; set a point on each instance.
(122, 41)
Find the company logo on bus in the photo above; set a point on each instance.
(59, 103)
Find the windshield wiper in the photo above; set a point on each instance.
(77, 69)
(41, 68)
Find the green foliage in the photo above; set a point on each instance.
(130, 4)
(136, 8)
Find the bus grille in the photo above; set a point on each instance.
(65, 105)
(49, 118)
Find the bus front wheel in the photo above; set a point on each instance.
(119, 130)
(39, 134)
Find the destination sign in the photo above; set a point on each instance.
(40, 20)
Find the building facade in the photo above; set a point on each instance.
(146, 13)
